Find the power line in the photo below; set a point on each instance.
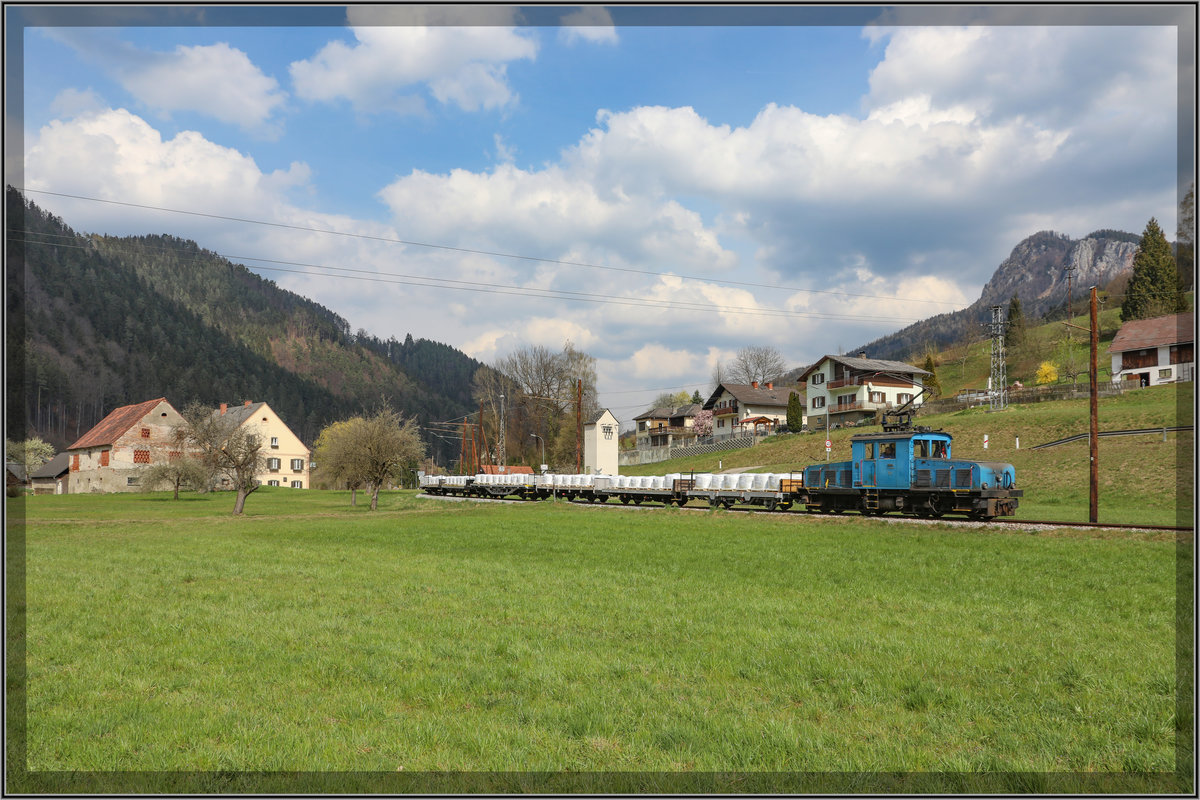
(517, 291)
(473, 251)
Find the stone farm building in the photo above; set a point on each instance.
(110, 457)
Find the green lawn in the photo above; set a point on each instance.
(439, 636)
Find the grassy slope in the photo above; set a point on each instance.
(1142, 479)
(444, 636)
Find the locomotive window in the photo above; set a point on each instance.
(939, 449)
(921, 448)
(869, 450)
(887, 449)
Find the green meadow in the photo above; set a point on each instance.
(437, 637)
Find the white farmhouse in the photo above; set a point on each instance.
(1147, 352)
(846, 390)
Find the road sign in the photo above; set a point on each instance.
(985, 437)
(828, 444)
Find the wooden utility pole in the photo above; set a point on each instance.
(578, 425)
(1094, 489)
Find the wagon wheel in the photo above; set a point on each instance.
(772, 504)
(625, 499)
(714, 501)
(937, 506)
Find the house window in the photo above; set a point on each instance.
(272, 483)
(876, 397)
(818, 378)
(1164, 374)
(297, 465)
(1183, 353)
(904, 397)
(145, 433)
(275, 442)
(273, 464)
(104, 458)
(75, 463)
(818, 402)
(297, 484)
(141, 456)
(132, 480)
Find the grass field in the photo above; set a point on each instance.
(437, 636)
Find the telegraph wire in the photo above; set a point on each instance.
(472, 251)
(517, 291)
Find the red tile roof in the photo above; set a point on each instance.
(1139, 334)
(111, 428)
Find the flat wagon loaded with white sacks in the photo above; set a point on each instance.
(905, 471)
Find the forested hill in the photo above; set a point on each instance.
(104, 321)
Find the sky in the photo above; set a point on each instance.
(661, 187)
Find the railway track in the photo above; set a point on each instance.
(954, 520)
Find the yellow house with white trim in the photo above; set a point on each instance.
(287, 459)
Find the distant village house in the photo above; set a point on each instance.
(740, 408)
(846, 390)
(1149, 352)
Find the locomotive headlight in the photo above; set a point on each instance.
(984, 484)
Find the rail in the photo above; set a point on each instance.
(1139, 432)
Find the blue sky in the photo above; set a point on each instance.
(835, 181)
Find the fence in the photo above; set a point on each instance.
(1029, 394)
(651, 455)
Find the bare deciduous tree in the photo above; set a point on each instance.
(760, 363)
(227, 449)
(540, 389)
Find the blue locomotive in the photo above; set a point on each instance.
(910, 470)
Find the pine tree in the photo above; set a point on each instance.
(1015, 322)
(696, 398)
(931, 380)
(1154, 286)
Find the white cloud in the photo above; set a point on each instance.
(463, 66)
(592, 24)
(217, 80)
(72, 102)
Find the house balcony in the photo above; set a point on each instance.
(843, 383)
(727, 411)
(842, 408)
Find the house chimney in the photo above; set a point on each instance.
(770, 384)
(754, 384)
(223, 407)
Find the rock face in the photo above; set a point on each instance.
(1036, 272)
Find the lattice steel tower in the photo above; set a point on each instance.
(998, 388)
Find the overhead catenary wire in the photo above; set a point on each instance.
(501, 289)
(475, 251)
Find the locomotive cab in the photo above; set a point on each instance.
(889, 460)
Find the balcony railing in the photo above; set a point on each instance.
(842, 383)
(726, 411)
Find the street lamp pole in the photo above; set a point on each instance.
(543, 441)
